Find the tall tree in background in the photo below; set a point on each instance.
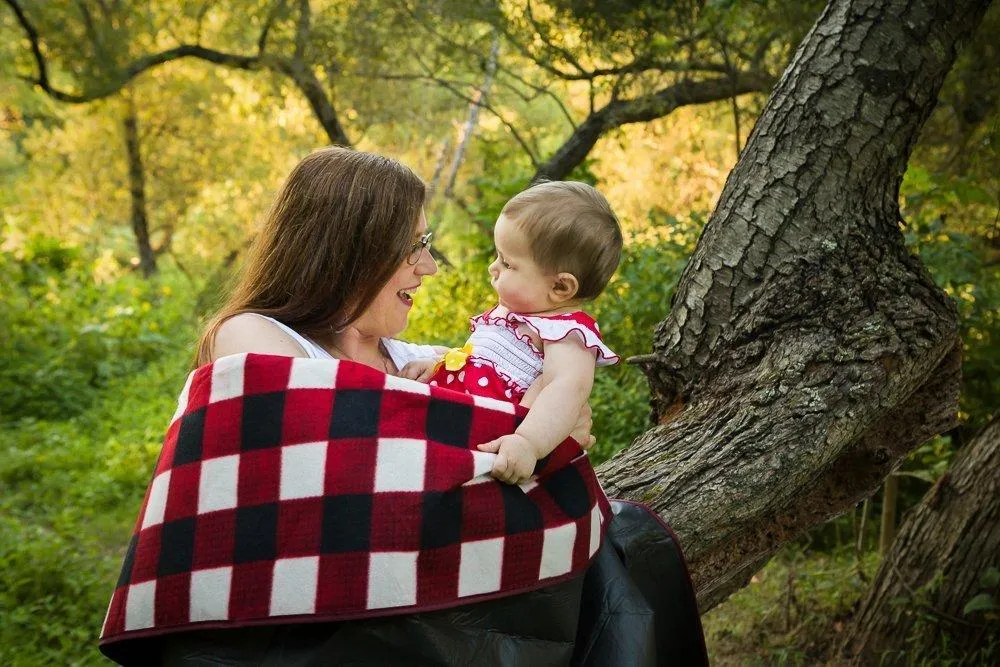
(137, 188)
(940, 561)
(806, 351)
(633, 61)
(286, 41)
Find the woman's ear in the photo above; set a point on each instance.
(564, 287)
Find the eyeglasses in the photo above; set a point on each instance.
(418, 248)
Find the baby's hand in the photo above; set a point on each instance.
(515, 458)
(420, 370)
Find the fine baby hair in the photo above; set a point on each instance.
(571, 227)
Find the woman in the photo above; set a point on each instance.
(332, 274)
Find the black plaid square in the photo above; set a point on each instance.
(177, 547)
(449, 423)
(541, 463)
(520, 513)
(569, 491)
(441, 521)
(189, 438)
(125, 577)
(262, 419)
(355, 413)
(256, 533)
(346, 523)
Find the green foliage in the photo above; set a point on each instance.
(792, 612)
(66, 335)
(69, 491)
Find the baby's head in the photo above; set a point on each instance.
(558, 243)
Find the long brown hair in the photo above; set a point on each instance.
(339, 228)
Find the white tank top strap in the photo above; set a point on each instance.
(312, 350)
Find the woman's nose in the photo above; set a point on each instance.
(427, 265)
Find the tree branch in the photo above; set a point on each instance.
(643, 109)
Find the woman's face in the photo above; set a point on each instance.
(387, 315)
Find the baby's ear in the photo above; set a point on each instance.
(564, 287)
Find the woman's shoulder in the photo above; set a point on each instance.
(250, 332)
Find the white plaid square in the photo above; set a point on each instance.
(595, 529)
(303, 469)
(392, 579)
(480, 567)
(493, 404)
(182, 400)
(217, 484)
(140, 606)
(313, 374)
(293, 586)
(395, 383)
(557, 551)
(227, 377)
(210, 594)
(399, 464)
(157, 500)
(482, 463)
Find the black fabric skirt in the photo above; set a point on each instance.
(633, 607)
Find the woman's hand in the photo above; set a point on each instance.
(581, 432)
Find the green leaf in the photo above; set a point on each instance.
(982, 602)
(990, 578)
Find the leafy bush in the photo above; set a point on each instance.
(70, 492)
(66, 335)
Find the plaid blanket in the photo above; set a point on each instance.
(308, 489)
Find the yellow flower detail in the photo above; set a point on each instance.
(455, 358)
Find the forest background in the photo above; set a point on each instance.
(140, 143)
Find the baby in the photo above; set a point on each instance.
(558, 243)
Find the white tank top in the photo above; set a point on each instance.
(399, 351)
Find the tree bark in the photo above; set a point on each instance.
(806, 351)
(935, 565)
(137, 190)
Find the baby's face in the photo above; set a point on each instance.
(521, 285)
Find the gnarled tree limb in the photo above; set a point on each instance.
(806, 350)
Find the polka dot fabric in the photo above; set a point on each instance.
(504, 362)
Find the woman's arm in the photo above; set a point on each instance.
(248, 332)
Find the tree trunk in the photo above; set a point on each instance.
(302, 74)
(470, 124)
(137, 190)
(806, 351)
(887, 525)
(935, 565)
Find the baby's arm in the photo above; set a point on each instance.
(567, 378)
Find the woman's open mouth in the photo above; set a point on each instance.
(406, 295)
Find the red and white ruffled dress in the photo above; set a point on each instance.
(502, 362)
